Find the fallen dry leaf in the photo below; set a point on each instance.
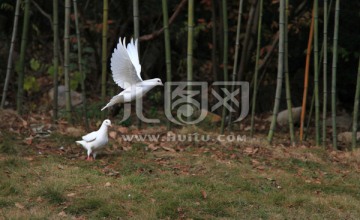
(247, 128)
(126, 148)
(71, 194)
(255, 162)
(113, 134)
(29, 140)
(123, 130)
(74, 132)
(204, 194)
(153, 147)
(168, 149)
(62, 214)
(251, 151)
(170, 133)
(19, 205)
(260, 167)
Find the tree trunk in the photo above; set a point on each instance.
(237, 46)
(136, 36)
(280, 69)
(167, 50)
(316, 75)
(256, 72)
(356, 110)
(287, 78)
(324, 75)
(334, 66)
(214, 49)
(9, 63)
(245, 44)
(190, 48)
(306, 78)
(20, 93)
(104, 52)
(56, 51)
(225, 59)
(80, 63)
(67, 59)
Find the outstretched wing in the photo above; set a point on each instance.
(125, 65)
(90, 137)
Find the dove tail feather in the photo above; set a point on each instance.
(116, 99)
(107, 105)
(104, 107)
(84, 144)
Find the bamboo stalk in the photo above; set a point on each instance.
(287, 78)
(214, 54)
(258, 44)
(237, 46)
(136, 36)
(190, 48)
(356, 110)
(333, 76)
(80, 63)
(316, 75)
(280, 69)
(136, 20)
(67, 60)
(324, 75)
(247, 38)
(167, 50)
(104, 52)
(225, 59)
(12, 44)
(306, 78)
(190, 40)
(309, 116)
(313, 96)
(55, 57)
(20, 93)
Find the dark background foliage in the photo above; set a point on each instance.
(152, 51)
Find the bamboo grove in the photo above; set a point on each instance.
(230, 53)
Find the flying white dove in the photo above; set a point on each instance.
(96, 140)
(126, 68)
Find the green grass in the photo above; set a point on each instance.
(53, 192)
(198, 183)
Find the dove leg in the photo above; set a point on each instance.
(94, 155)
(88, 155)
(89, 158)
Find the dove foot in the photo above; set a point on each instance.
(89, 158)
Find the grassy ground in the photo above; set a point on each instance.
(40, 180)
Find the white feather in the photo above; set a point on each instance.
(126, 69)
(132, 49)
(123, 70)
(96, 140)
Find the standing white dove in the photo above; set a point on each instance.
(96, 140)
(126, 68)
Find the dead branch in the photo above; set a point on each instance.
(160, 31)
